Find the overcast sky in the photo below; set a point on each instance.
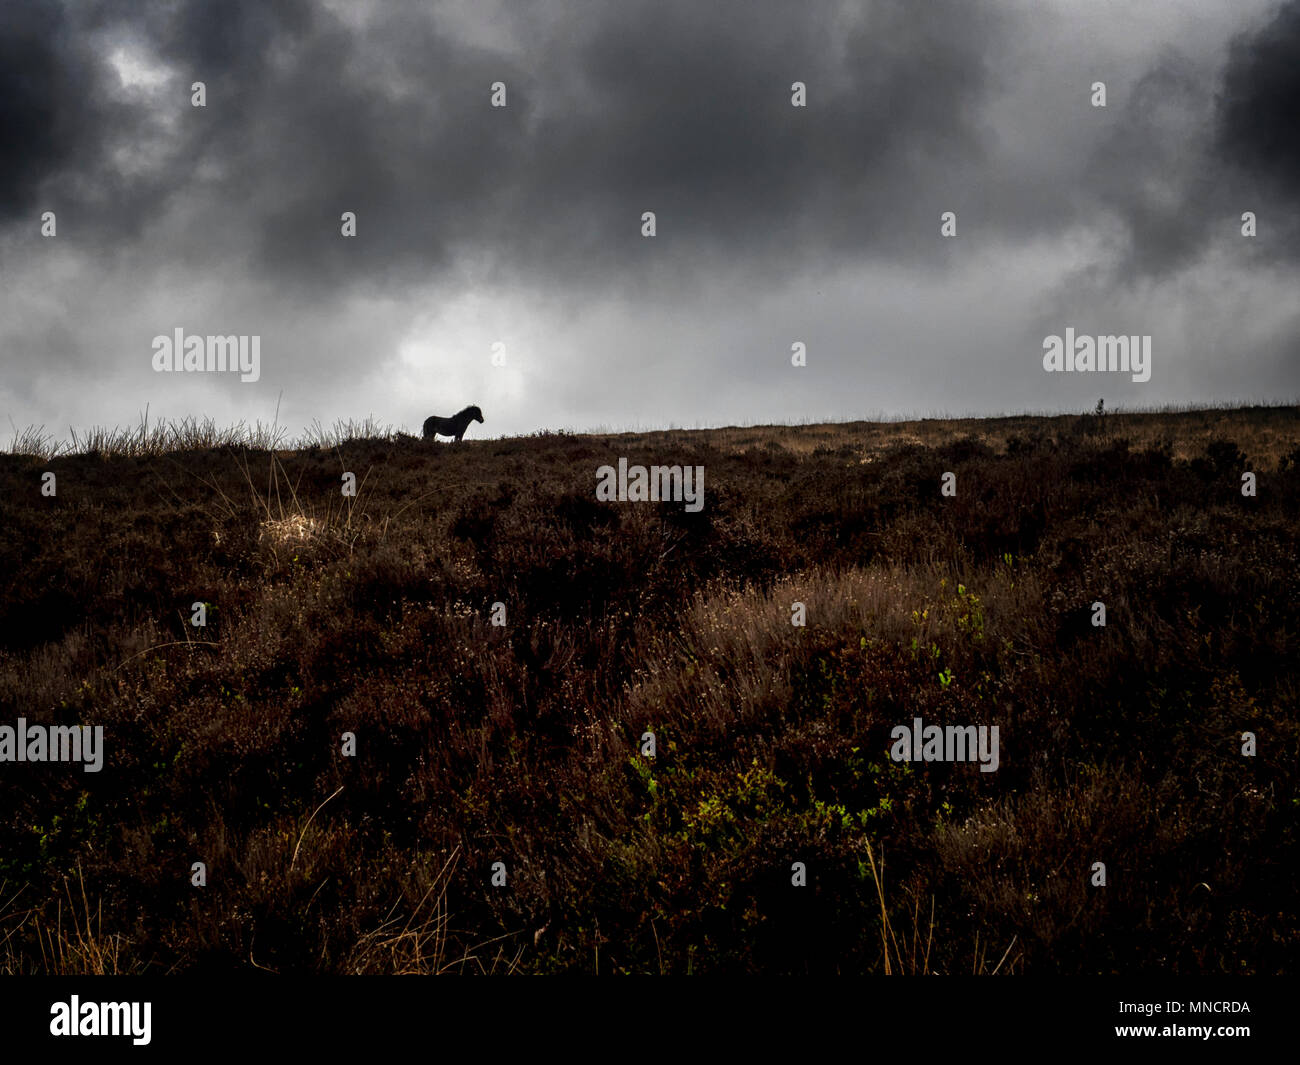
(523, 224)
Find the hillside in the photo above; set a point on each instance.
(522, 742)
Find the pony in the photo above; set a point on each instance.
(453, 426)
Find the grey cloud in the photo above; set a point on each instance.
(1260, 102)
(775, 223)
(679, 108)
(1193, 148)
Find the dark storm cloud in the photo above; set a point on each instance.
(39, 76)
(680, 108)
(691, 116)
(775, 223)
(1260, 103)
(1156, 171)
(1193, 148)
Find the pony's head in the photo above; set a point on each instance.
(474, 413)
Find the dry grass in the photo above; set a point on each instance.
(1266, 433)
(71, 943)
(418, 943)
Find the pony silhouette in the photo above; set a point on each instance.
(453, 426)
